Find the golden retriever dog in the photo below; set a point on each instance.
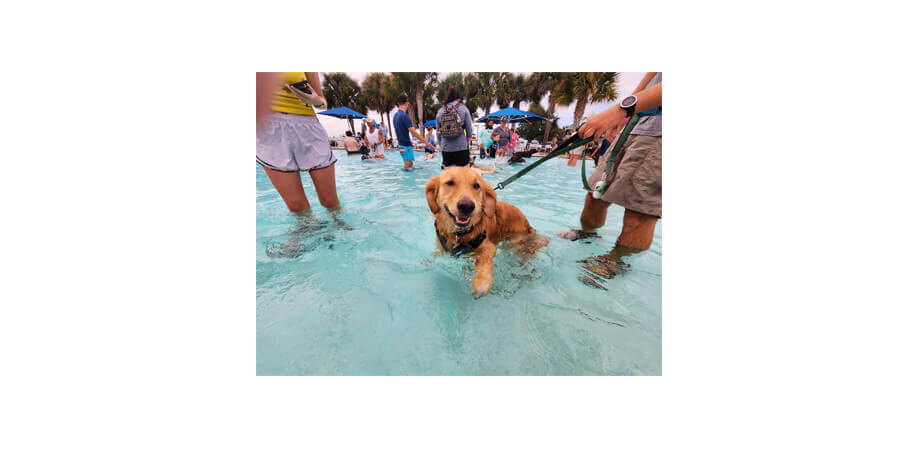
(469, 219)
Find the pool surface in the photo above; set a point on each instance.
(360, 293)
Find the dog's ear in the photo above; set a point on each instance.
(490, 199)
(431, 189)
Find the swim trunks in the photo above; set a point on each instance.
(407, 154)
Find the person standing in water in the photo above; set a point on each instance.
(484, 139)
(635, 180)
(505, 134)
(454, 129)
(404, 129)
(372, 138)
(431, 147)
(385, 134)
(291, 140)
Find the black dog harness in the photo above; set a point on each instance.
(464, 248)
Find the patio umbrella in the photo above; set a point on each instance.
(343, 112)
(513, 115)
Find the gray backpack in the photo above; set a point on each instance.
(450, 124)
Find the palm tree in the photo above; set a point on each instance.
(554, 84)
(471, 93)
(342, 90)
(487, 89)
(510, 91)
(588, 87)
(417, 83)
(379, 96)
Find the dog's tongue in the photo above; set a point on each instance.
(462, 220)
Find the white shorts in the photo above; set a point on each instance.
(376, 149)
(291, 143)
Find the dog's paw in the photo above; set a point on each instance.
(480, 288)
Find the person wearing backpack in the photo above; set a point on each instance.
(454, 130)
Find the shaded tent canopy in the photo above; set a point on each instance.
(513, 115)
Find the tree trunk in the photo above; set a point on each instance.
(578, 111)
(419, 93)
(391, 131)
(550, 114)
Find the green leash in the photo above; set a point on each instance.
(601, 187)
(572, 143)
(566, 146)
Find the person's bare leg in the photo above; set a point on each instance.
(592, 217)
(290, 188)
(324, 180)
(636, 236)
(637, 230)
(594, 213)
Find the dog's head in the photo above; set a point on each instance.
(463, 195)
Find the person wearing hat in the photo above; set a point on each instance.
(505, 135)
(404, 129)
(373, 139)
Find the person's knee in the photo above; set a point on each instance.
(297, 205)
(330, 202)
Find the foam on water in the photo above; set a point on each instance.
(360, 292)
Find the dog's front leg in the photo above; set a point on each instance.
(484, 268)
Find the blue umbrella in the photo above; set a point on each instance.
(513, 115)
(431, 123)
(343, 112)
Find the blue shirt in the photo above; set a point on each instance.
(401, 123)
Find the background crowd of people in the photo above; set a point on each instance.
(291, 140)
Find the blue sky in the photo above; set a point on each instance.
(626, 83)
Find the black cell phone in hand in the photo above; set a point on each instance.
(303, 86)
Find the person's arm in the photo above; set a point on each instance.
(612, 119)
(643, 84)
(317, 98)
(413, 131)
(265, 84)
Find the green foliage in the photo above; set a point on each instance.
(535, 130)
(342, 90)
(379, 95)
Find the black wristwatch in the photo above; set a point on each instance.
(628, 103)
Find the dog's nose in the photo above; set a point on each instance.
(466, 206)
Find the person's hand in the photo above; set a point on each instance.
(610, 121)
(309, 99)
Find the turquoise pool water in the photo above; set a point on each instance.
(361, 294)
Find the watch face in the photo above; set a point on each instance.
(629, 101)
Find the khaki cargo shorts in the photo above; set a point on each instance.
(636, 180)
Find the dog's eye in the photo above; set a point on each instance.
(476, 186)
(450, 183)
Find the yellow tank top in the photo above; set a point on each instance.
(285, 102)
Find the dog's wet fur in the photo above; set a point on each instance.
(463, 202)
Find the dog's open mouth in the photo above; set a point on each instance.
(460, 222)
